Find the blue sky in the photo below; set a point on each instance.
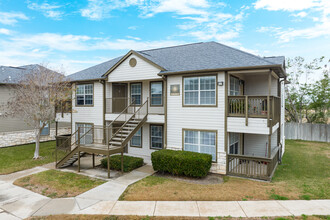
(78, 34)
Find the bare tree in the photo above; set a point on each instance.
(35, 97)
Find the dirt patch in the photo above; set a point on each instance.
(211, 178)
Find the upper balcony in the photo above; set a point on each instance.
(254, 103)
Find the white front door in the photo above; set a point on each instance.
(86, 133)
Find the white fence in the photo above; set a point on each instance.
(307, 131)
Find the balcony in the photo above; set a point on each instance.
(253, 167)
(253, 114)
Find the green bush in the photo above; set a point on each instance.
(181, 162)
(130, 163)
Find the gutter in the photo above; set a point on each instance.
(224, 69)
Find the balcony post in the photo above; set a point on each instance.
(268, 97)
(246, 110)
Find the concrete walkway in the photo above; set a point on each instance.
(19, 203)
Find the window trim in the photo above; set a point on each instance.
(130, 92)
(130, 142)
(239, 92)
(238, 143)
(150, 142)
(153, 105)
(200, 75)
(92, 124)
(205, 130)
(76, 102)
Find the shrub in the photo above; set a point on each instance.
(130, 163)
(181, 162)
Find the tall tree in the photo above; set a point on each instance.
(35, 97)
(306, 99)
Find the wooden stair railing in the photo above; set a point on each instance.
(125, 133)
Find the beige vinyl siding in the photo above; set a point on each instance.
(142, 71)
(200, 118)
(93, 114)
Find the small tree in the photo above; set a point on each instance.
(35, 97)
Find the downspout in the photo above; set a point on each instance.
(165, 110)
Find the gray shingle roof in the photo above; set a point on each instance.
(12, 75)
(94, 72)
(189, 57)
(202, 56)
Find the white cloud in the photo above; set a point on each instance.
(100, 9)
(50, 11)
(10, 18)
(300, 14)
(285, 5)
(50, 47)
(320, 28)
(5, 31)
(133, 27)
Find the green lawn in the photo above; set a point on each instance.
(58, 184)
(303, 174)
(18, 158)
(306, 165)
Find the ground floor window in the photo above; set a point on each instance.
(86, 134)
(201, 142)
(137, 139)
(233, 143)
(156, 137)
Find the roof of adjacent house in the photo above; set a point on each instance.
(12, 75)
(189, 57)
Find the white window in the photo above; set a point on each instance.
(136, 93)
(156, 136)
(200, 90)
(137, 139)
(234, 86)
(86, 134)
(201, 142)
(85, 94)
(233, 143)
(156, 92)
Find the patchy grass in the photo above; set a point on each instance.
(18, 158)
(302, 175)
(126, 217)
(58, 184)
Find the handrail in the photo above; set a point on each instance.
(120, 114)
(128, 121)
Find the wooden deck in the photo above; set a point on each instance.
(100, 149)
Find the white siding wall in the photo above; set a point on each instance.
(208, 118)
(145, 150)
(89, 114)
(142, 71)
(255, 125)
(256, 144)
(258, 85)
(282, 116)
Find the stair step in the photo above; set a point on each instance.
(115, 143)
(117, 139)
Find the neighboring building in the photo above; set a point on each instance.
(14, 130)
(202, 97)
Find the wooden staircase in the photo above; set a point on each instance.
(114, 144)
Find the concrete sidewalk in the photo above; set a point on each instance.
(20, 203)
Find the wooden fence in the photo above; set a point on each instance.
(307, 131)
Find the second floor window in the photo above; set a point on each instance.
(234, 86)
(84, 94)
(156, 93)
(136, 93)
(200, 90)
